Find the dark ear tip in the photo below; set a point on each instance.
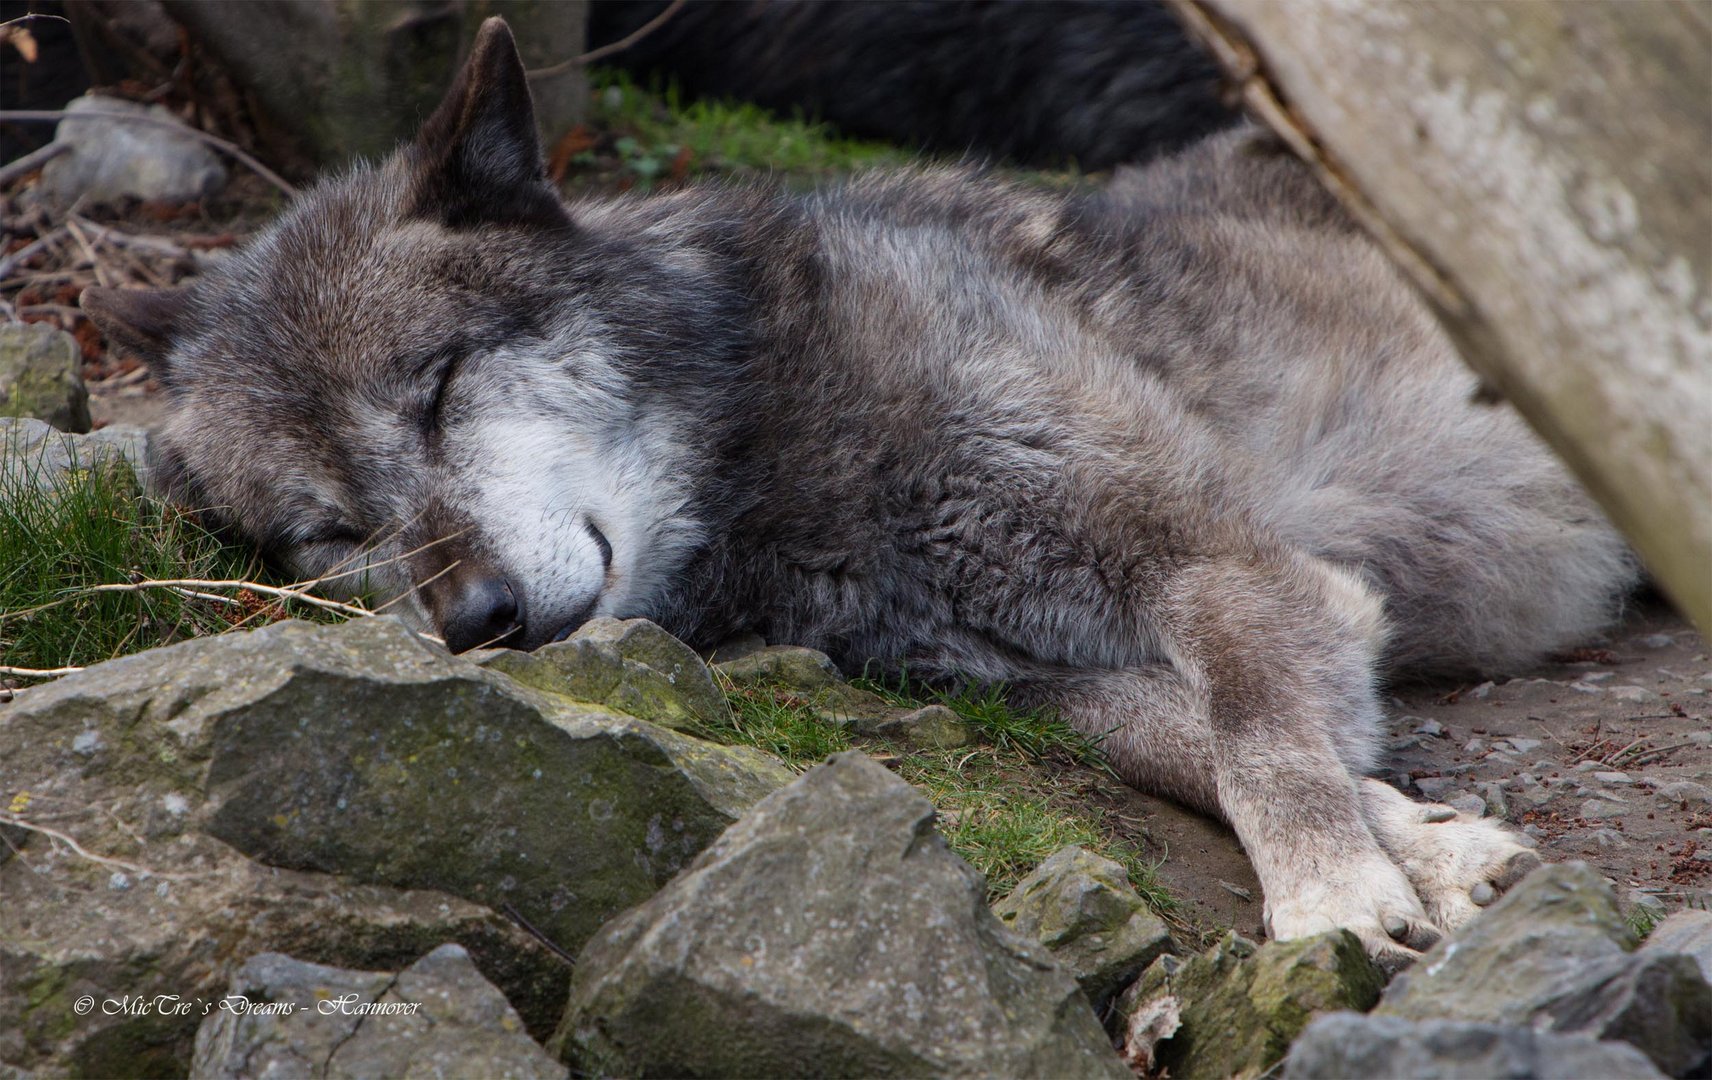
(495, 33)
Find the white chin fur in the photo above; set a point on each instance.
(534, 477)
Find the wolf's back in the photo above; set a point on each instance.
(1365, 440)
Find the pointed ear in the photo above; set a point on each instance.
(144, 321)
(479, 159)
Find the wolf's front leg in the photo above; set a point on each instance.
(1262, 710)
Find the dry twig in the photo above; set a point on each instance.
(612, 47)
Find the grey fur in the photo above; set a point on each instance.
(1183, 458)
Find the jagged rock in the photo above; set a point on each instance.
(34, 451)
(830, 932)
(1082, 908)
(301, 789)
(631, 665)
(782, 665)
(1688, 932)
(1555, 954)
(1240, 1005)
(438, 1017)
(117, 156)
(811, 676)
(1348, 1046)
(40, 376)
(932, 726)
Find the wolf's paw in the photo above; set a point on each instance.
(1458, 864)
(1371, 898)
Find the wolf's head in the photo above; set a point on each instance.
(427, 380)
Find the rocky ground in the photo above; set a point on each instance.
(336, 850)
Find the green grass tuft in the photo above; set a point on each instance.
(96, 527)
(778, 723)
(1004, 805)
(654, 136)
(1038, 733)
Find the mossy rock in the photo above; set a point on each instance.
(1241, 1004)
(1082, 908)
(40, 376)
(630, 665)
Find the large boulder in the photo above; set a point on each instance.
(1556, 954)
(40, 376)
(830, 932)
(1233, 1010)
(1082, 908)
(1348, 1046)
(346, 794)
(438, 1017)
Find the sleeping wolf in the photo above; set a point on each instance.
(1182, 459)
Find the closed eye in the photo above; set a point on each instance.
(437, 406)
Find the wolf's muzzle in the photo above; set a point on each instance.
(485, 611)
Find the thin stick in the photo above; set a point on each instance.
(529, 928)
(89, 252)
(23, 253)
(195, 583)
(103, 860)
(607, 50)
(30, 162)
(40, 673)
(153, 244)
(230, 149)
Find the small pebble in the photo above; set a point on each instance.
(1613, 778)
(1585, 688)
(1533, 832)
(1236, 890)
(1633, 694)
(1472, 805)
(1656, 641)
(1496, 805)
(1596, 676)
(1430, 728)
(1601, 809)
(1434, 786)
(1474, 746)
(1586, 766)
(1482, 894)
(1481, 692)
(1523, 745)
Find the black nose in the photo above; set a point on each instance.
(484, 612)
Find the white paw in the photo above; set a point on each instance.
(1457, 863)
(1370, 897)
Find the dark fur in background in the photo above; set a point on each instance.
(1092, 82)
